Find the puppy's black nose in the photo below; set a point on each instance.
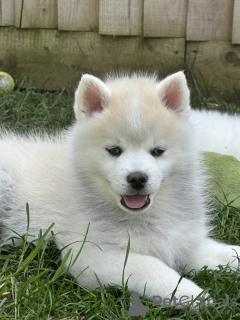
(137, 180)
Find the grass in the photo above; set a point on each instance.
(27, 109)
(204, 94)
(33, 282)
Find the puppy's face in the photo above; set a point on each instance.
(131, 141)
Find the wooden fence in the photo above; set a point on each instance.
(52, 42)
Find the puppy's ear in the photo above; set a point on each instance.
(174, 93)
(90, 96)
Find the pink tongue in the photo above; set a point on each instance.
(135, 201)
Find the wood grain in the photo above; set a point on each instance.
(0, 12)
(236, 23)
(39, 14)
(209, 20)
(18, 4)
(217, 61)
(7, 13)
(78, 15)
(53, 59)
(120, 17)
(165, 18)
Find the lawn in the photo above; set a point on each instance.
(33, 283)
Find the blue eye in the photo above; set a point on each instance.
(114, 151)
(157, 152)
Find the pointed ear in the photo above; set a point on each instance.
(90, 96)
(174, 93)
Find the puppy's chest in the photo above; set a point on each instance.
(144, 239)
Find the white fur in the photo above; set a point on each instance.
(72, 180)
(217, 132)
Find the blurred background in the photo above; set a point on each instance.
(50, 43)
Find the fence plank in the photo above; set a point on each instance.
(209, 20)
(52, 59)
(165, 18)
(18, 12)
(7, 12)
(217, 61)
(0, 12)
(236, 23)
(78, 15)
(39, 14)
(120, 17)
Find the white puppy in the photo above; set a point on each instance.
(129, 166)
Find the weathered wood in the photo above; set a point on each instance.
(0, 12)
(120, 17)
(78, 15)
(54, 59)
(165, 18)
(18, 4)
(218, 62)
(209, 20)
(7, 12)
(39, 14)
(236, 23)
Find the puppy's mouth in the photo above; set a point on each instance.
(136, 201)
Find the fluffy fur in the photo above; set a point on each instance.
(158, 200)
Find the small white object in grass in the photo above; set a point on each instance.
(6, 83)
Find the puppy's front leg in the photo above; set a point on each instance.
(141, 270)
(212, 254)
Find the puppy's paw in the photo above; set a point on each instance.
(189, 295)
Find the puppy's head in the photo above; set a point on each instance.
(130, 134)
